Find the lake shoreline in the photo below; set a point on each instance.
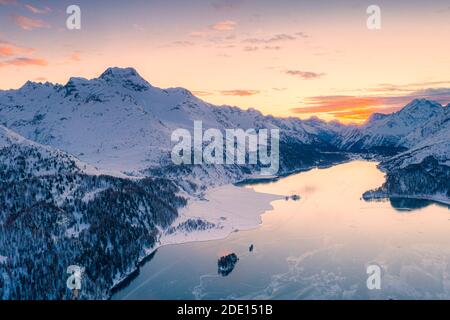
(296, 239)
(253, 222)
(119, 284)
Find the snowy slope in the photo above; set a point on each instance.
(19, 146)
(422, 170)
(119, 121)
(431, 138)
(56, 211)
(391, 131)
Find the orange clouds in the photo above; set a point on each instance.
(359, 108)
(306, 75)
(239, 93)
(8, 49)
(75, 56)
(226, 25)
(202, 93)
(344, 108)
(337, 103)
(37, 10)
(18, 56)
(235, 93)
(29, 23)
(19, 62)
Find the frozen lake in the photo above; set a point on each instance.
(316, 248)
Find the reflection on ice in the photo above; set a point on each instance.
(316, 248)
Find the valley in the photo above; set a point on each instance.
(87, 175)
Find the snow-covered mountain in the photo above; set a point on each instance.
(422, 168)
(120, 122)
(86, 176)
(63, 154)
(391, 133)
(57, 211)
(431, 138)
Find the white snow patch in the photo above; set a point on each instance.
(229, 207)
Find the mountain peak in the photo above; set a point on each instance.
(119, 72)
(421, 108)
(128, 77)
(421, 103)
(30, 85)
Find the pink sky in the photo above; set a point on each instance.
(292, 58)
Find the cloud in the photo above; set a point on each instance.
(272, 48)
(388, 87)
(18, 56)
(29, 23)
(8, 49)
(319, 104)
(22, 61)
(37, 10)
(306, 75)
(239, 93)
(275, 38)
(256, 48)
(302, 35)
(202, 93)
(75, 56)
(226, 25)
(178, 43)
(250, 48)
(359, 108)
(441, 95)
(40, 79)
(351, 108)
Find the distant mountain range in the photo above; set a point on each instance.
(420, 123)
(118, 121)
(86, 175)
(416, 142)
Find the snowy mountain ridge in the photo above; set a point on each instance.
(399, 131)
(120, 122)
(75, 161)
(57, 211)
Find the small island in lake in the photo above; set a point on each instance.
(226, 264)
(294, 197)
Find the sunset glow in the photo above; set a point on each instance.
(286, 58)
